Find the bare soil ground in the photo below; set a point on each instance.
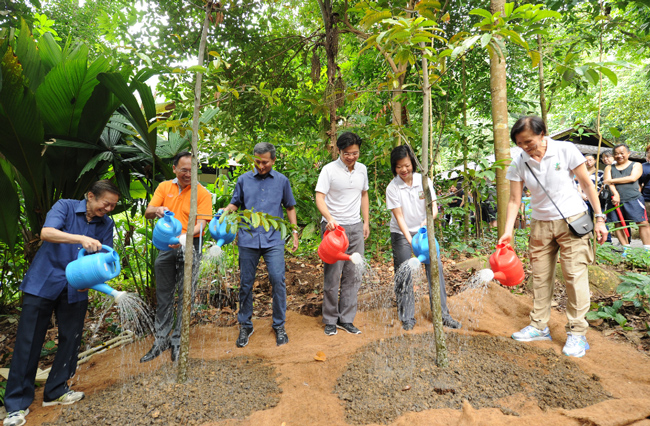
(383, 376)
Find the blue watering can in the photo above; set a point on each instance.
(91, 270)
(166, 231)
(420, 243)
(218, 229)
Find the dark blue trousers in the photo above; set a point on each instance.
(248, 260)
(32, 327)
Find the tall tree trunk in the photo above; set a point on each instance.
(434, 285)
(331, 50)
(500, 122)
(542, 95)
(189, 243)
(466, 187)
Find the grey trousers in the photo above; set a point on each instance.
(169, 269)
(343, 275)
(402, 252)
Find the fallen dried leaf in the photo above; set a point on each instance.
(320, 356)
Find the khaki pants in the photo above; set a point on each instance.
(547, 239)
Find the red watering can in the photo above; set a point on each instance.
(506, 266)
(333, 246)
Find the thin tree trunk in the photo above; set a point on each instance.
(189, 243)
(500, 122)
(434, 285)
(466, 187)
(331, 50)
(542, 96)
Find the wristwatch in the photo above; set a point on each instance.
(294, 231)
(603, 215)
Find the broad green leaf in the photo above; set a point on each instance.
(64, 92)
(265, 223)
(102, 156)
(485, 38)
(21, 132)
(543, 14)
(10, 206)
(373, 17)
(482, 12)
(29, 58)
(614, 131)
(535, 57)
(96, 113)
(255, 219)
(592, 76)
(609, 74)
(50, 52)
(508, 7)
(197, 68)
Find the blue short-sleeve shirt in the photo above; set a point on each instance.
(266, 194)
(46, 275)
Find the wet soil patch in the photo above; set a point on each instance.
(387, 378)
(215, 390)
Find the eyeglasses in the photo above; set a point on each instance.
(184, 171)
(350, 154)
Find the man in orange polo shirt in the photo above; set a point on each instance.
(174, 195)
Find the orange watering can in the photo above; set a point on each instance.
(506, 266)
(333, 247)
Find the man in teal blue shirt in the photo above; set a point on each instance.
(264, 190)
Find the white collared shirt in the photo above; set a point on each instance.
(555, 172)
(343, 189)
(410, 199)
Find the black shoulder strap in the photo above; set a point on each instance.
(544, 189)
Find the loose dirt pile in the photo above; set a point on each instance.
(391, 377)
(215, 390)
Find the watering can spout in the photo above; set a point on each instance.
(118, 295)
(500, 276)
(422, 258)
(221, 242)
(220, 230)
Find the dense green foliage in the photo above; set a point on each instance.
(273, 76)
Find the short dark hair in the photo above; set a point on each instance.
(98, 188)
(348, 139)
(590, 155)
(181, 155)
(621, 145)
(606, 153)
(263, 148)
(532, 122)
(397, 154)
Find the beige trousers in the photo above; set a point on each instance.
(547, 240)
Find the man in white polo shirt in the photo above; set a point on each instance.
(341, 191)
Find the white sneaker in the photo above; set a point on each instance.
(530, 334)
(575, 346)
(70, 397)
(16, 418)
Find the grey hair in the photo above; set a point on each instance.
(263, 148)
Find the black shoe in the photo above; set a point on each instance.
(407, 325)
(155, 351)
(349, 327)
(281, 337)
(244, 335)
(175, 351)
(451, 323)
(330, 329)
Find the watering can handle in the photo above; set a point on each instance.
(504, 247)
(82, 252)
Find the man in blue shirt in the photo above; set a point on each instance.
(264, 190)
(69, 226)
